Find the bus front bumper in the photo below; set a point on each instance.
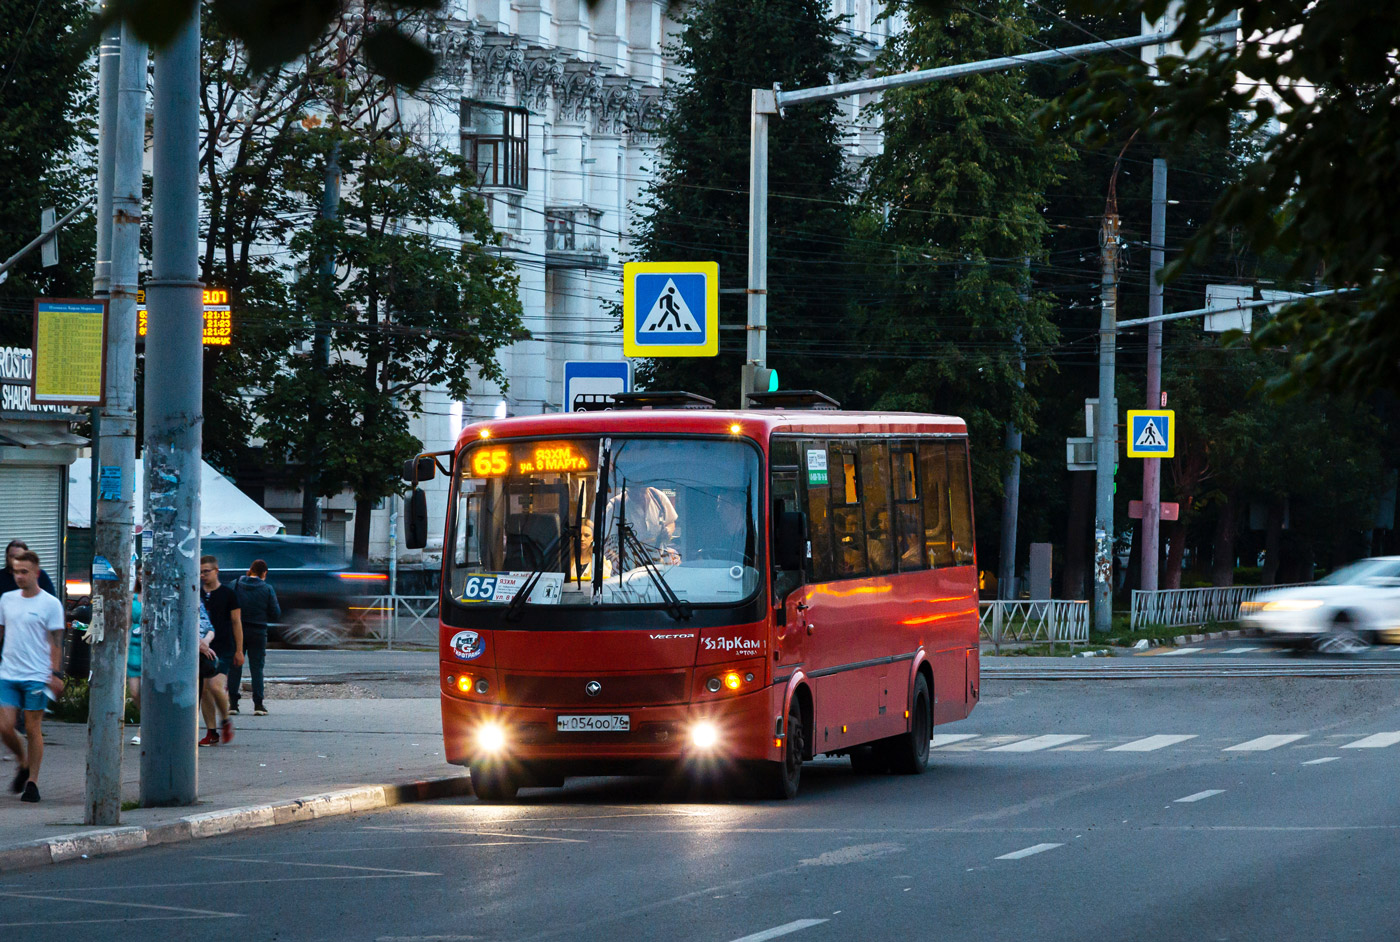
(734, 728)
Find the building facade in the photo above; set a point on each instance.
(555, 104)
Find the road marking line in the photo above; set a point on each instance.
(1199, 795)
(1175, 652)
(1322, 760)
(1037, 743)
(786, 928)
(1265, 743)
(1152, 743)
(1238, 650)
(298, 863)
(186, 910)
(944, 739)
(1377, 741)
(1028, 851)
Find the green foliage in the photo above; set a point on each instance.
(47, 124)
(72, 705)
(1323, 193)
(962, 179)
(697, 206)
(418, 295)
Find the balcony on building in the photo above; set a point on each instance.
(573, 238)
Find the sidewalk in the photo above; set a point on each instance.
(304, 747)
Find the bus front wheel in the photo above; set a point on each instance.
(781, 779)
(492, 781)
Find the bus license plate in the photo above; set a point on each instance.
(595, 723)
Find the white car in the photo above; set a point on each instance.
(1354, 607)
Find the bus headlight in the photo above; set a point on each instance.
(490, 738)
(704, 735)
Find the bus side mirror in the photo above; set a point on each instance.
(790, 541)
(415, 531)
(417, 470)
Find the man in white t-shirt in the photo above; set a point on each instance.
(31, 624)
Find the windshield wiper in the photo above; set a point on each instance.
(517, 603)
(600, 509)
(677, 607)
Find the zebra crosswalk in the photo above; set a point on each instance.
(1084, 742)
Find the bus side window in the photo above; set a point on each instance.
(960, 500)
(909, 516)
(938, 533)
(820, 566)
(875, 494)
(847, 522)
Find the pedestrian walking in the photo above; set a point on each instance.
(7, 575)
(133, 655)
(31, 620)
(257, 602)
(221, 603)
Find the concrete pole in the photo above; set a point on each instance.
(1152, 467)
(763, 104)
(114, 521)
(1106, 428)
(321, 351)
(108, 62)
(174, 421)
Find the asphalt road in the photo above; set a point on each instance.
(1172, 809)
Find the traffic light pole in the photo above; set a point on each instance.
(1152, 467)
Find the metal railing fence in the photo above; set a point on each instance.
(1049, 620)
(395, 619)
(1177, 608)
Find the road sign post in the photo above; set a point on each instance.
(670, 309)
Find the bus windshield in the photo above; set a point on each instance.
(678, 516)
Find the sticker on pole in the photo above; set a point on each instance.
(670, 309)
(1151, 433)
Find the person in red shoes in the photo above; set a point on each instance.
(221, 604)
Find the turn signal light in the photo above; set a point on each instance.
(464, 684)
(732, 680)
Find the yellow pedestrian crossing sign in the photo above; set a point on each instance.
(1151, 433)
(670, 309)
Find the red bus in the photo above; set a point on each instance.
(634, 589)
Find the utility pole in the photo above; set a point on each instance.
(321, 337)
(113, 482)
(1152, 467)
(108, 62)
(174, 422)
(1106, 420)
(1011, 483)
(763, 104)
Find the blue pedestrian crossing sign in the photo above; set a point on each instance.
(1151, 433)
(670, 309)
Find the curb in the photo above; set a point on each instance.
(1217, 636)
(116, 840)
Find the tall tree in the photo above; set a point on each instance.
(47, 125)
(417, 295)
(1324, 191)
(962, 181)
(697, 206)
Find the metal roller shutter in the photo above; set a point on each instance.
(31, 509)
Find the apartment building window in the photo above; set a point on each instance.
(496, 143)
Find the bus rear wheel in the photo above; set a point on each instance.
(908, 753)
(492, 781)
(781, 779)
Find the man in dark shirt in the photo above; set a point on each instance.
(258, 606)
(221, 604)
(7, 576)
